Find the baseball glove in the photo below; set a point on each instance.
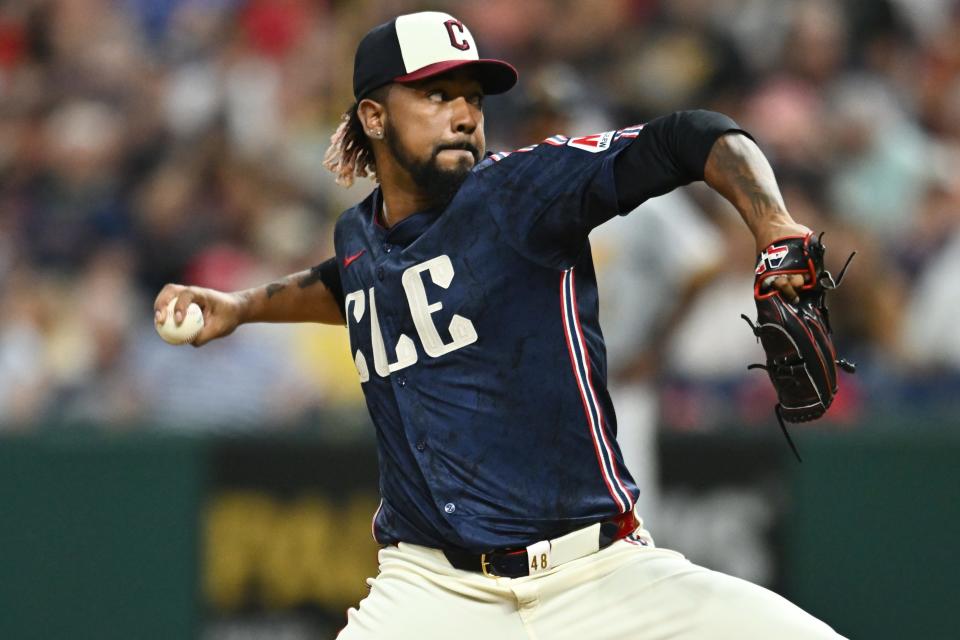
(801, 359)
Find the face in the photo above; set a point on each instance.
(434, 130)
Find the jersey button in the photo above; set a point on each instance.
(449, 507)
(379, 273)
(387, 247)
(402, 380)
(421, 445)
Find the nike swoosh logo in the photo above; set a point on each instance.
(349, 259)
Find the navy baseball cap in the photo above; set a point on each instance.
(420, 45)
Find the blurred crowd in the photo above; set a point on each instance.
(153, 141)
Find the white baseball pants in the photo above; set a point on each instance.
(623, 592)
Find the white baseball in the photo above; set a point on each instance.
(188, 330)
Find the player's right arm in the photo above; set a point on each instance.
(313, 295)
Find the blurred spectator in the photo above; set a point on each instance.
(930, 333)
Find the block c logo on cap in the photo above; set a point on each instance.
(450, 24)
(431, 37)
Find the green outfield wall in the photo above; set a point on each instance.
(98, 537)
(874, 534)
(139, 536)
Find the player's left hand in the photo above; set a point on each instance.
(794, 327)
(789, 285)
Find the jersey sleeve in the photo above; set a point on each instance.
(329, 274)
(547, 198)
(669, 152)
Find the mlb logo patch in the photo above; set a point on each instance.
(593, 143)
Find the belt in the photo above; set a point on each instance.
(545, 554)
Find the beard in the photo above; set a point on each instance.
(440, 184)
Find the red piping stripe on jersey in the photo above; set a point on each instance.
(583, 395)
(565, 305)
(593, 394)
(373, 522)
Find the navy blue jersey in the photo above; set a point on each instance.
(476, 336)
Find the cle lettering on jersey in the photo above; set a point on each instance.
(462, 331)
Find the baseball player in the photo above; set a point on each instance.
(467, 287)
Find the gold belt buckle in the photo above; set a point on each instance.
(484, 564)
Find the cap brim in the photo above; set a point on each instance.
(496, 76)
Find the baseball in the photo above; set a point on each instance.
(188, 330)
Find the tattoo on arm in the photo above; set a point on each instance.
(311, 278)
(737, 169)
(308, 279)
(748, 173)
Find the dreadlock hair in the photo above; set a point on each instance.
(350, 154)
